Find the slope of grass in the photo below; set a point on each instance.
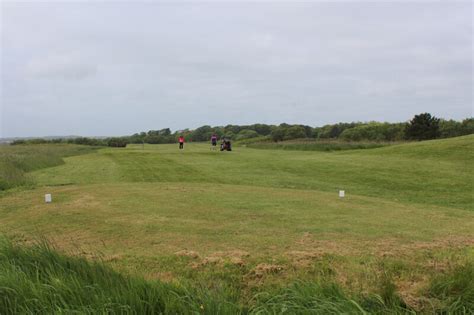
(414, 176)
(37, 280)
(16, 161)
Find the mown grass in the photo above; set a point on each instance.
(315, 145)
(17, 161)
(251, 222)
(429, 173)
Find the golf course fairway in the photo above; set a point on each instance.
(257, 220)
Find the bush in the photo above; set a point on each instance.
(278, 134)
(117, 142)
(333, 131)
(450, 128)
(295, 132)
(246, 134)
(467, 126)
(374, 131)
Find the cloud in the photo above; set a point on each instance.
(60, 68)
(147, 65)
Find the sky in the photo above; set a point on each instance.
(116, 68)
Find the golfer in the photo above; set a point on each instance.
(181, 142)
(214, 141)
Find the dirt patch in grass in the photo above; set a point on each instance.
(392, 247)
(162, 276)
(235, 257)
(409, 291)
(187, 253)
(303, 259)
(307, 248)
(112, 258)
(263, 269)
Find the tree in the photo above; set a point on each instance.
(165, 132)
(246, 134)
(202, 133)
(262, 129)
(295, 132)
(117, 142)
(468, 126)
(450, 128)
(422, 127)
(278, 133)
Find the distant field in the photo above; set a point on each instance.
(257, 220)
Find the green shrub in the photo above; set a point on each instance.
(246, 134)
(374, 131)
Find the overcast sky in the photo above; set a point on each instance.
(119, 68)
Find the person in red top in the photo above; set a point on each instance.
(181, 142)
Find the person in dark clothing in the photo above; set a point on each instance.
(181, 142)
(226, 145)
(213, 142)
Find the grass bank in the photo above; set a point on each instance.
(38, 280)
(315, 145)
(17, 161)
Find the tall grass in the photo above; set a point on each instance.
(455, 290)
(38, 280)
(316, 145)
(314, 298)
(17, 161)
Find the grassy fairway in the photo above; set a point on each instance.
(256, 218)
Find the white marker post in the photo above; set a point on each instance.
(342, 193)
(48, 198)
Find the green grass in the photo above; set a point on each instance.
(454, 291)
(38, 280)
(252, 221)
(16, 161)
(315, 145)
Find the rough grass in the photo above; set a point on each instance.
(315, 145)
(38, 280)
(454, 291)
(17, 161)
(253, 221)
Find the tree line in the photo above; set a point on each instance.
(422, 127)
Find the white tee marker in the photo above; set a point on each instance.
(342, 193)
(48, 198)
